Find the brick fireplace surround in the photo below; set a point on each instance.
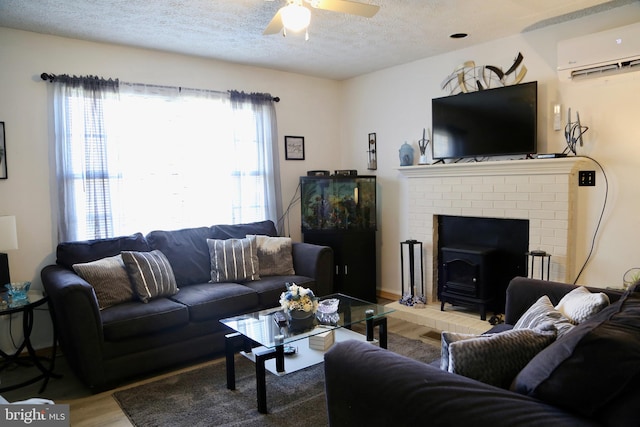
(542, 191)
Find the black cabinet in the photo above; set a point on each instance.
(340, 212)
(354, 256)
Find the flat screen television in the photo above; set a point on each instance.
(491, 122)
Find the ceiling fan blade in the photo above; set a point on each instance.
(274, 26)
(344, 6)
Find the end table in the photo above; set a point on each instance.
(26, 307)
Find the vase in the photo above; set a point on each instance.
(300, 320)
(406, 155)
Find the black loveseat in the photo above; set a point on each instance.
(108, 345)
(588, 377)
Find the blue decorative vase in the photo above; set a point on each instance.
(406, 155)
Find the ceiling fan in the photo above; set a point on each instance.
(295, 16)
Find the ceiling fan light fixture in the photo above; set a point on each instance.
(295, 17)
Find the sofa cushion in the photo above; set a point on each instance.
(206, 301)
(69, 253)
(187, 252)
(134, 319)
(542, 311)
(274, 256)
(233, 260)
(238, 231)
(592, 365)
(109, 279)
(580, 304)
(495, 359)
(150, 273)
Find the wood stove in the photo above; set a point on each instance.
(467, 278)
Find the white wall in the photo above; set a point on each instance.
(396, 104)
(309, 107)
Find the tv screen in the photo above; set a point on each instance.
(490, 122)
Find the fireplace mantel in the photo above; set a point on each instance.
(562, 165)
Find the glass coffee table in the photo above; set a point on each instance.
(262, 340)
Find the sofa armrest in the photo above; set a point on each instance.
(367, 385)
(522, 292)
(314, 261)
(76, 316)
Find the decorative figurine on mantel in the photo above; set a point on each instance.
(406, 154)
(423, 144)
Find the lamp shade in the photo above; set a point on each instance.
(8, 233)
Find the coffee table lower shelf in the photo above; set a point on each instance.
(304, 356)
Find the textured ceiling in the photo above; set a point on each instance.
(340, 46)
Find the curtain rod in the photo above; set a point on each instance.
(52, 78)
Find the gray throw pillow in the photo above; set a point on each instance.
(109, 280)
(150, 273)
(234, 260)
(274, 255)
(497, 358)
(541, 312)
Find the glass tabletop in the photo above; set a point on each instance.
(261, 326)
(8, 304)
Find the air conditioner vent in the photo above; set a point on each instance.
(606, 70)
(600, 54)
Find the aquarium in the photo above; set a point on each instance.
(338, 202)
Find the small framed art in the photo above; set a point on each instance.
(3, 153)
(294, 147)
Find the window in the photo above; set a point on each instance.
(162, 158)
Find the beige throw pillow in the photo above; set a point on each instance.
(109, 280)
(274, 255)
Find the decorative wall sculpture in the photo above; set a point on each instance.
(470, 77)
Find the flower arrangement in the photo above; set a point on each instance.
(298, 298)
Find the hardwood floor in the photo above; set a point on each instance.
(101, 410)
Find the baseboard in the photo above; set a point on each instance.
(388, 295)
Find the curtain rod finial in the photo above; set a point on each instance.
(45, 76)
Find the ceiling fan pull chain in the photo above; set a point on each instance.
(306, 35)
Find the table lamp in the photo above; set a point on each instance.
(8, 241)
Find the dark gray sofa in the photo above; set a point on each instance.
(588, 377)
(104, 347)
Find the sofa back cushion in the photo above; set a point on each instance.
(69, 253)
(187, 252)
(239, 231)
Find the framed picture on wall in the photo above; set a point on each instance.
(294, 147)
(3, 153)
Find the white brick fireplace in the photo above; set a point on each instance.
(542, 191)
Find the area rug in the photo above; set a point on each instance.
(200, 398)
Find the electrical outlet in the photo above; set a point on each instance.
(587, 178)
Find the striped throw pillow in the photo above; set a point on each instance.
(542, 311)
(150, 273)
(234, 260)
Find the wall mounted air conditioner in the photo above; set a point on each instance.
(599, 54)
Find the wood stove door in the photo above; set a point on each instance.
(461, 278)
